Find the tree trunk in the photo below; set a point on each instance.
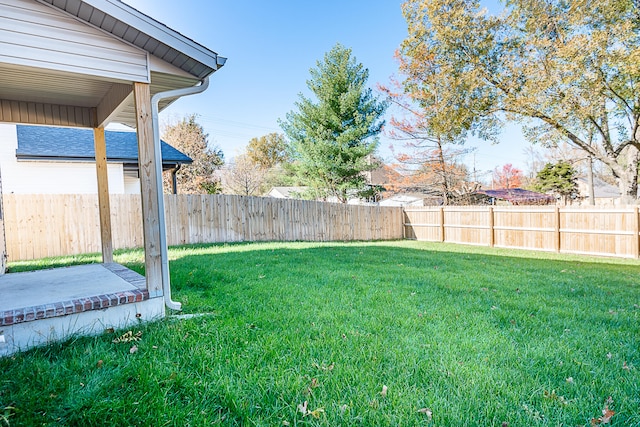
(628, 177)
(592, 195)
(628, 185)
(443, 168)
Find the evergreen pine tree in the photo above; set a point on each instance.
(331, 140)
(558, 178)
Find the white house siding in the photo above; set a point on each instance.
(131, 185)
(37, 35)
(43, 177)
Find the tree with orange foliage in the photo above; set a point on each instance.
(427, 127)
(567, 70)
(428, 172)
(507, 177)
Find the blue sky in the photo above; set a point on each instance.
(271, 45)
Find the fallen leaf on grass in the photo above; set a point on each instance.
(625, 366)
(99, 364)
(128, 337)
(533, 412)
(553, 396)
(302, 408)
(604, 419)
(316, 412)
(606, 414)
(133, 349)
(312, 385)
(324, 367)
(426, 411)
(383, 393)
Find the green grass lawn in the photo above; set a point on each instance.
(456, 336)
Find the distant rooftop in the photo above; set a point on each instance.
(72, 144)
(518, 196)
(287, 192)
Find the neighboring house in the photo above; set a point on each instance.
(286, 192)
(296, 193)
(515, 196)
(411, 199)
(375, 179)
(55, 160)
(382, 176)
(605, 194)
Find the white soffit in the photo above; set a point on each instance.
(46, 86)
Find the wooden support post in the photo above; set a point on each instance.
(148, 189)
(558, 241)
(492, 234)
(636, 233)
(103, 194)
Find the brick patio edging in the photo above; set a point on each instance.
(97, 302)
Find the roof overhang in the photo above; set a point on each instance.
(45, 95)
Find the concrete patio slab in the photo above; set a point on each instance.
(19, 290)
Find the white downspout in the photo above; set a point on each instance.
(164, 257)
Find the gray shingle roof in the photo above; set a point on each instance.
(519, 196)
(69, 144)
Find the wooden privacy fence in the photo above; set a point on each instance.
(38, 226)
(609, 232)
